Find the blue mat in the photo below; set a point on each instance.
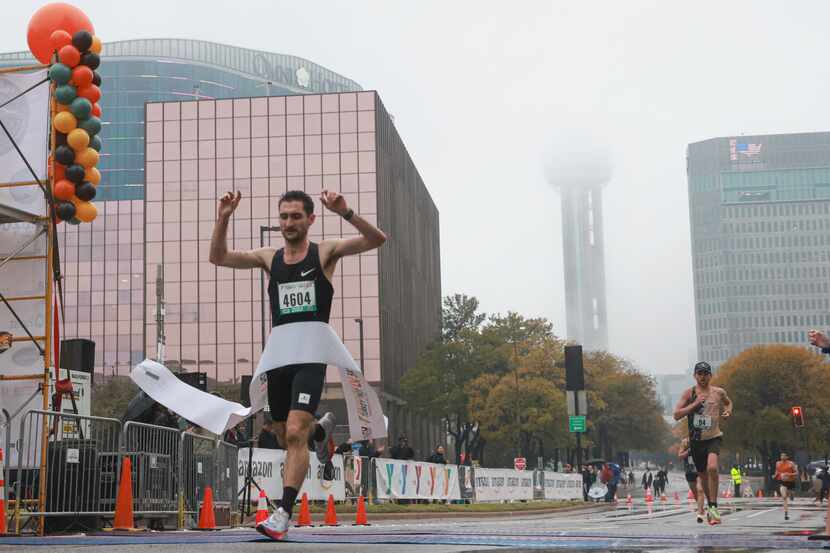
(553, 539)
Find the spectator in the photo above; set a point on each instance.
(367, 449)
(345, 447)
(437, 456)
(631, 479)
(587, 480)
(613, 481)
(402, 450)
(267, 438)
(824, 476)
(648, 480)
(235, 435)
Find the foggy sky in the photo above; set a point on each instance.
(484, 94)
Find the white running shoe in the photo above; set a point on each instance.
(699, 517)
(275, 526)
(322, 447)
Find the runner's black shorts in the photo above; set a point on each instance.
(701, 450)
(691, 477)
(788, 485)
(295, 387)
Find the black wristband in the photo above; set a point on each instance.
(825, 351)
(349, 214)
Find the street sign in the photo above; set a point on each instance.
(519, 463)
(577, 424)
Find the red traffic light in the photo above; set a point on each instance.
(797, 414)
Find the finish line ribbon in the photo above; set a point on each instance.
(289, 344)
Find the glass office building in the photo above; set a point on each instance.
(760, 220)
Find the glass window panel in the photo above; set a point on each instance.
(351, 286)
(259, 167)
(348, 101)
(366, 162)
(259, 126)
(189, 130)
(294, 165)
(224, 108)
(224, 128)
(348, 162)
(312, 144)
(171, 110)
(189, 110)
(224, 168)
(294, 125)
(312, 124)
(242, 107)
(154, 190)
(207, 109)
(154, 112)
(293, 104)
(368, 264)
(278, 185)
(259, 106)
(348, 142)
(241, 127)
(366, 121)
(331, 143)
(155, 151)
(330, 123)
(366, 100)
(368, 202)
(171, 131)
(313, 186)
(188, 169)
(276, 106)
(370, 307)
(348, 182)
(313, 164)
(367, 182)
(294, 145)
(276, 125)
(312, 103)
(171, 171)
(155, 131)
(189, 150)
(331, 164)
(242, 167)
(278, 146)
(207, 171)
(348, 122)
(207, 129)
(369, 286)
(366, 141)
(330, 102)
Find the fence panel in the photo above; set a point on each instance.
(197, 471)
(77, 449)
(227, 475)
(154, 458)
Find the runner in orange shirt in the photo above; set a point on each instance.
(786, 474)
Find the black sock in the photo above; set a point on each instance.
(319, 433)
(289, 496)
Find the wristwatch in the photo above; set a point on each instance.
(349, 214)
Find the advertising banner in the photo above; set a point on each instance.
(267, 470)
(558, 485)
(412, 480)
(503, 485)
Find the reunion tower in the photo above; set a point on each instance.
(580, 174)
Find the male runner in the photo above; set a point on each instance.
(692, 476)
(300, 290)
(786, 475)
(703, 406)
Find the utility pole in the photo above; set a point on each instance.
(160, 339)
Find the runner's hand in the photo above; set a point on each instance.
(228, 203)
(334, 201)
(818, 339)
(726, 413)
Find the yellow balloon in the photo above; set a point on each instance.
(92, 175)
(78, 139)
(65, 122)
(96, 45)
(86, 212)
(87, 157)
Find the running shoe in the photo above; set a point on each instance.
(322, 447)
(699, 518)
(713, 515)
(786, 516)
(275, 526)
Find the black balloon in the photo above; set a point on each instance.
(85, 191)
(64, 155)
(60, 139)
(96, 79)
(75, 173)
(82, 40)
(91, 60)
(65, 210)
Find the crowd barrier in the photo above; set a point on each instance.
(77, 461)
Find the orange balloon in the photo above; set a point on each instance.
(64, 190)
(96, 45)
(86, 211)
(82, 76)
(78, 139)
(63, 107)
(93, 175)
(96, 110)
(69, 56)
(58, 172)
(90, 92)
(87, 157)
(64, 122)
(59, 39)
(53, 17)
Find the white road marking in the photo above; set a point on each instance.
(759, 513)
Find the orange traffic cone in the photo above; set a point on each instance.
(331, 515)
(305, 514)
(3, 528)
(760, 493)
(676, 498)
(262, 507)
(207, 518)
(361, 519)
(663, 498)
(124, 502)
(690, 496)
(649, 496)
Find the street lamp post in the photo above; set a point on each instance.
(360, 328)
(262, 230)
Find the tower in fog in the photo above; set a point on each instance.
(580, 177)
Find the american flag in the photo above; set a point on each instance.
(743, 150)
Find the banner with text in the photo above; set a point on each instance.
(267, 469)
(412, 480)
(562, 486)
(503, 485)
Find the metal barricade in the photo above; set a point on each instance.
(154, 458)
(60, 466)
(226, 478)
(196, 473)
(358, 474)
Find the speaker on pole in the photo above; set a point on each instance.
(245, 390)
(574, 373)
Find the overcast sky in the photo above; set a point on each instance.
(485, 94)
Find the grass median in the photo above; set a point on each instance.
(383, 508)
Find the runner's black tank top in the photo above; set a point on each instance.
(694, 433)
(299, 292)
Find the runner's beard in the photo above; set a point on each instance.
(297, 238)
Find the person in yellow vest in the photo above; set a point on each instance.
(736, 479)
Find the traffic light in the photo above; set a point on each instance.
(797, 413)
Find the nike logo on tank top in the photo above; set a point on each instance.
(299, 292)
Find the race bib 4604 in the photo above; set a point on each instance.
(297, 297)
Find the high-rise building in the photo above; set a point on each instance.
(759, 208)
(583, 246)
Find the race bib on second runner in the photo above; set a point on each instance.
(702, 422)
(297, 297)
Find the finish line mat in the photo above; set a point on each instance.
(553, 539)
